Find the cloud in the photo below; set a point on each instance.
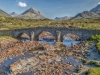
(99, 3)
(21, 4)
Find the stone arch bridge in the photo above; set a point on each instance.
(58, 32)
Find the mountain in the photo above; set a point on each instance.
(93, 13)
(88, 14)
(13, 14)
(63, 18)
(4, 14)
(31, 14)
(96, 9)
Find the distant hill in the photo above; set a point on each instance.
(31, 14)
(93, 13)
(63, 18)
(13, 14)
(4, 14)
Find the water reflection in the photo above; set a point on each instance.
(48, 41)
(68, 38)
(7, 61)
(25, 40)
(69, 42)
(65, 42)
(28, 73)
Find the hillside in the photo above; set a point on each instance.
(4, 14)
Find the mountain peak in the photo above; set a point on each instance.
(63, 18)
(13, 14)
(31, 13)
(32, 10)
(98, 4)
(31, 7)
(96, 9)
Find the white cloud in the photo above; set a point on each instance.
(99, 3)
(21, 4)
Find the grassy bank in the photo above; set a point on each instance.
(6, 36)
(94, 71)
(97, 39)
(98, 46)
(15, 23)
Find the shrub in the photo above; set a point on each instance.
(83, 25)
(95, 37)
(58, 51)
(84, 61)
(62, 45)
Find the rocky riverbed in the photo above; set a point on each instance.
(35, 58)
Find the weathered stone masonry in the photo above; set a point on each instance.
(58, 32)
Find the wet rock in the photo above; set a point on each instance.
(23, 64)
(0, 49)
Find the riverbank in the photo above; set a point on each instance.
(19, 58)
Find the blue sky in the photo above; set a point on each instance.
(49, 8)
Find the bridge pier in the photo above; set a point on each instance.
(58, 36)
(32, 36)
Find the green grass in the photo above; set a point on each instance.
(8, 23)
(96, 38)
(94, 71)
(98, 46)
(6, 36)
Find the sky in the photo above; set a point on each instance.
(49, 8)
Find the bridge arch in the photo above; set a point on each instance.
(23, 36)
(70, 36)
(46, 35)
